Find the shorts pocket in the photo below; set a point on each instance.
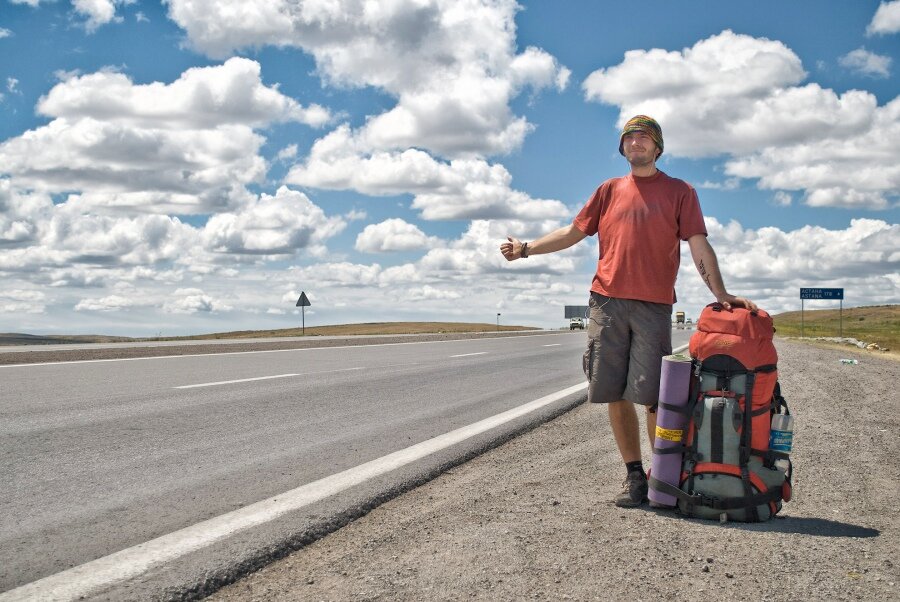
(587, 360)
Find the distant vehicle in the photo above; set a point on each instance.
(689, 321)
(576, 323)
(679, 317)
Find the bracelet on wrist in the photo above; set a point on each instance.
(524, 252)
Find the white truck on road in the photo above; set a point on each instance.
(576, 323)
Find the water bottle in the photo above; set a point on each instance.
(781, 438)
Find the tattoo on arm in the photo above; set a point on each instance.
(704, 275)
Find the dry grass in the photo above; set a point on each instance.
(875, 324)
(372, 328)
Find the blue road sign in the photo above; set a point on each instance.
(821, 293)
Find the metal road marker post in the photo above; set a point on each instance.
(303, 303)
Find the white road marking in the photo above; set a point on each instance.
(169, 357)
(553, 345)
(468, 354)
(246, 380)
(680, 349)
(90, 577)
(228, 382)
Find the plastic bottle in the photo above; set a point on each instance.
(853, 362)
(781, 438)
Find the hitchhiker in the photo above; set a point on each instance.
(641, 219)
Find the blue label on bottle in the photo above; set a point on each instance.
(781, 441)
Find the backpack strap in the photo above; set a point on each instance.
(733, 503)
(717, 503)
(683, 410)
(746, 448)
(690, 452)
(677, 449)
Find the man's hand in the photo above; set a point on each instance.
(511, 249)
(728, 301)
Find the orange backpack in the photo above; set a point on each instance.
(727, 466)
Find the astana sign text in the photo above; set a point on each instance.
(821, 293)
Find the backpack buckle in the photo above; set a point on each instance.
(709, 501)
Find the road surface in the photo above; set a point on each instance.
(102, 456)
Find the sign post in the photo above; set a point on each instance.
(823, 293)
(303, 303)
(498, 322)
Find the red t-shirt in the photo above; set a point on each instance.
(641, 222)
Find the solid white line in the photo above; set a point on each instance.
(680, 349)
(89, 577)
(553, 345)
(228, 382)
(169, 357)
(468, 354)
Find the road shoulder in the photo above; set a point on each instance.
(531, 519)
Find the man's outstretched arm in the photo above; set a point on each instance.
(708, 267)
(557, 240)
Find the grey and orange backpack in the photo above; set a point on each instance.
(728, 470)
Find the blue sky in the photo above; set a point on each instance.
(185, 167)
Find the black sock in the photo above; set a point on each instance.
(636, 466)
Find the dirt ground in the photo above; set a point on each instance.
(533, 520)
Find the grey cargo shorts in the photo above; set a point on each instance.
(627, 340)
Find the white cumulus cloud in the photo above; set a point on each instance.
(739, 96)
(451, 64)
(61, 245)
(393, 235)
(273, 225)
(458, 189)
(185, 147)
(867, 63)
(98, 12)
(782, 198)
(770, 265)
(192, 301)
(886, 19)
(107, 303)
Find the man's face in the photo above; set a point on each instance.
(639, 148)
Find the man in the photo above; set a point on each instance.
(641, 220)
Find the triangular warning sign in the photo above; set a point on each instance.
(303, 301)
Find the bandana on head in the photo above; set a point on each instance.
(642, 123)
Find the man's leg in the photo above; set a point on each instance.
(651, 427)
(606, 366)
(624, 423)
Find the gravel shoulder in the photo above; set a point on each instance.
(532, 519)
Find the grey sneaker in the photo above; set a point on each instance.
(634, 490)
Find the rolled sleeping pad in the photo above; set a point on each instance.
(674, 389)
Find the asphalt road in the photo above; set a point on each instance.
(102, 456)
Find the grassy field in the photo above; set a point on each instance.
(335, 330)
(876, 324)
(361, 329)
